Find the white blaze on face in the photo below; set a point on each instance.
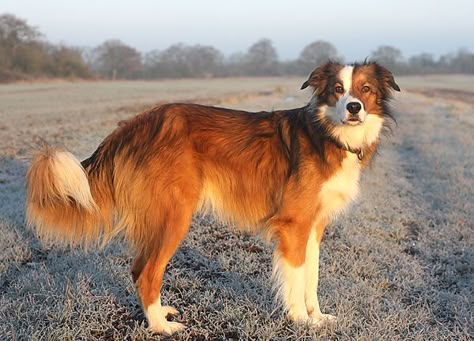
(345, 75)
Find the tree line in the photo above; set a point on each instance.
(24, 54)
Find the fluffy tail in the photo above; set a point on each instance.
(64, 204)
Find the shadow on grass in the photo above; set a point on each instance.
(439, 237)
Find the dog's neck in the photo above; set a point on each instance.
(357, 151)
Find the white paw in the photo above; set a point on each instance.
(320, 320)
(298, 315)
(157, 321)
(166, 327)
(168, 310)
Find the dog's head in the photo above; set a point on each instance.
(351, 100)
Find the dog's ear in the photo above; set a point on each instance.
(305, 85)
(318, 79)
(387, 78)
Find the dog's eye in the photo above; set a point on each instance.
(365, 89)
(339, 89)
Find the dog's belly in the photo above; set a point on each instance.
(244, 208)
(341, 188)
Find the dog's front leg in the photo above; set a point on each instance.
(289, 269)
(312, 277)
(290, 279)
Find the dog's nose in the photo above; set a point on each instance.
(353, 107)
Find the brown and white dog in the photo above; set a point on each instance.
(283, 174)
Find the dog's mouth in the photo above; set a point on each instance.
(353, 121)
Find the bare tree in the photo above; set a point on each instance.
(15, 35)
(204, 61)
(170, 63)
(180, 60)
(235, 64)
(114, 59)
(67, 62)
(390, 57)
(14, 30)
(262, 59)
(315, 54)
(463, 61)
(422, 63)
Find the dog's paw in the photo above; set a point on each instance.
(168, 311)
(166, 327)
(298, 315)
(320, 320)
(159, 324)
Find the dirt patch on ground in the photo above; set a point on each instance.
(448, 94)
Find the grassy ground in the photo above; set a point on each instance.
(398, 265)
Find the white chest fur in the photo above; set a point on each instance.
(341, 188)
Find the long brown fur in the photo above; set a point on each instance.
(262, 171)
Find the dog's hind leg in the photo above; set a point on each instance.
(138, 264)
(312, 275)
(149, 270)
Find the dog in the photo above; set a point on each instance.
(282, 174)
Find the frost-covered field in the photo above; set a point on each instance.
(398, 265)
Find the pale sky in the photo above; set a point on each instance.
(355, 27)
